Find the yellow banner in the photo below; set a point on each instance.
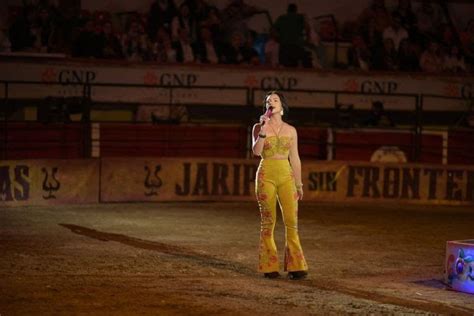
(413, 183)
(44, 182)
(48, 182)
(180, 179)
(234, 180)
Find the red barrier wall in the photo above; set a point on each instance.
(125, 140)
(461, 147)
(32, 140)
(359, 145)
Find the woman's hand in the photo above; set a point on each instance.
(264, 124)
(300, 193)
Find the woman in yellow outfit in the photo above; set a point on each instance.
(278, 179)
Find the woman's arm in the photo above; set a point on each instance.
(257, 141)
(296, 163)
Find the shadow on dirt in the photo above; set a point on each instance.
(172, 250)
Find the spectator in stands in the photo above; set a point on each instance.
(358, 55)
(407, 56)
(372, 38)
(207, 51)
(431, 60)
(278, 179)
(20, 32)
(249, 53)
(161, 13)
(5, 45)
(429, 19)
(292, 29)
(199, 10)
(234, 52)
(88, 43)
(185, 52)
(447, 37)
(272, 48)
(395, 31)
(454, 61)
(377, 12)
(110, 43)
(164, 50)
(387, 57)
(234, 16)
(407, 17)
(46, 31)
(184, 20)
(213, 23)
(467, 40)
(378, 117)
(135, 43)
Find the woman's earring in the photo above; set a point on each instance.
(281, 112)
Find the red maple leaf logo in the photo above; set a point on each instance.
(451, 90)
(48, 75)
(251, 81)
(150, 78)
(351, 85)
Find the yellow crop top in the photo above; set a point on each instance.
(276, 145)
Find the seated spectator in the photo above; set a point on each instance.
(184, 48)
(199, 10)
(46, 29)
(358, 55)
(447, 36)
(213, 23)
(467, 40)
(395, 31)
(454, 61)
(161, 14)
(431, 60)
(249, 53)
(429, 19)
(272, 48)
(407, 17)
(379, 13)
(233, 53)
(234, 17)
(372, 38)
(5, 45)
(20, 32)
(110, 43)
(183, 20)
(207, 51)
(164, 50)
(134, 43)
(88, 43)
(292, 28)
(378, 117)
(407, 56)
(387, 57)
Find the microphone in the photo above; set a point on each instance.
(268, 113)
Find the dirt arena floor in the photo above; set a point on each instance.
(200, 259)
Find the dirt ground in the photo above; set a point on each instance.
(201, 258)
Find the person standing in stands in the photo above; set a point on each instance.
(291, 28)
(278, 178)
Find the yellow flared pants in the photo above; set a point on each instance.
(275, 182)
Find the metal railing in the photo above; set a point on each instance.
(86, 90)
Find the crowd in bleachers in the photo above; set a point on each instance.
(410, 40)
(194, 31)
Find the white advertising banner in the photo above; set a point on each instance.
(318, 87)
